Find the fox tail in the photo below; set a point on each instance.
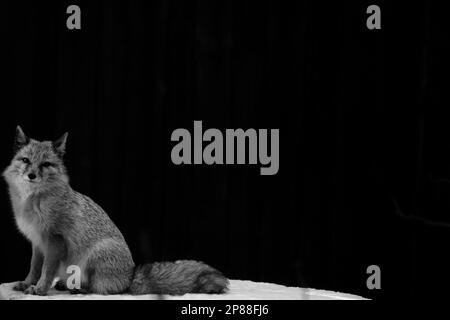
(178, 278)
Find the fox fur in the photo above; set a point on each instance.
(67, 228)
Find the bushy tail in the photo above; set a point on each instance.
(177, 278)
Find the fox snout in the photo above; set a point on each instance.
(31, 176)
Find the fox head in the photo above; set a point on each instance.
(36, 164)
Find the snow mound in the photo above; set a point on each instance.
(239, 290)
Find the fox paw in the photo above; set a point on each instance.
(21, 286)
(60, 286)
(36, 290)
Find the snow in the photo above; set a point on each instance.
(239, 290)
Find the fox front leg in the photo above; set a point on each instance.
(55, 252)
(37, 259)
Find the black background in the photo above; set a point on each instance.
(364, 173)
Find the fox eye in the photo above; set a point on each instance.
(46, 164)
(26, 160)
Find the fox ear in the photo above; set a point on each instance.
(60, 144)
(21, 139)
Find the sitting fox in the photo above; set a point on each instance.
(68, 228)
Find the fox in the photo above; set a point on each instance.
(68, 228)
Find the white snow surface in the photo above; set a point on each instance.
(239, 290)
